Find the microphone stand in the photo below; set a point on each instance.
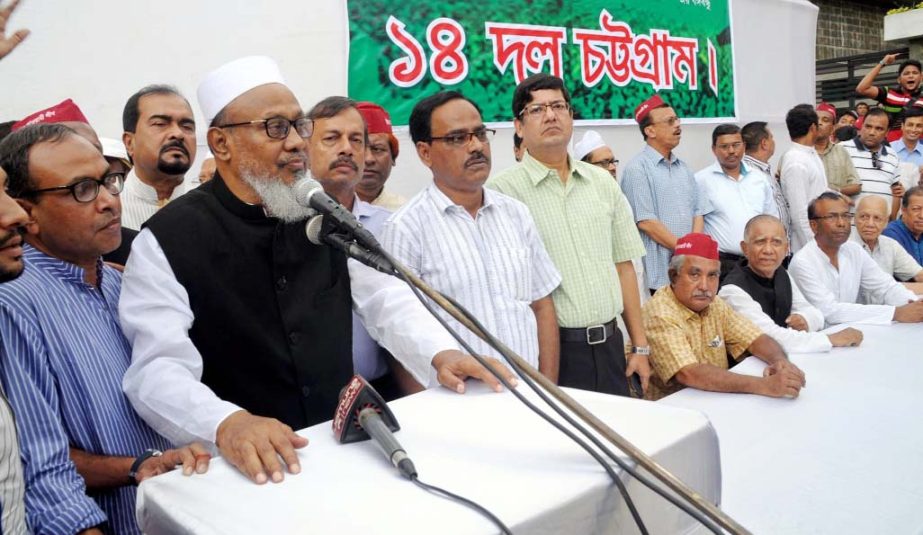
(642, 459)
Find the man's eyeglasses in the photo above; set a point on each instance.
(461, 139)
(87, 190)
(834, 217)
(605, 163)
(559, 107)
(279, 127)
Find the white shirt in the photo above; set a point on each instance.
(729, 203)
(803, 179)
(367, 358)
(139, 201)
(163, 381)
(891, 257)
(494, 264)
(791, 340)
(836, 292)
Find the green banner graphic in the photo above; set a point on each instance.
(612, 54)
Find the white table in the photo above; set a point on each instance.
(482, 445)
(845, 457)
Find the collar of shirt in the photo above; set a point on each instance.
(854, 236)
(446, 205)
(762, 166)
(899, 146)
(59, 268)
(361, 209)
(716, 169)
(882, 150)
(537, 171)
(134, 186)
(803, 148)
(655, 157)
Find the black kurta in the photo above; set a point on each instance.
(272, 310)
(774, 295)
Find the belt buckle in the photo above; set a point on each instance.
(595, 334)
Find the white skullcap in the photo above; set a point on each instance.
(590, 142)
(113, 148)
(233, 79)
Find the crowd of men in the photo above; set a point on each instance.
(123, 357)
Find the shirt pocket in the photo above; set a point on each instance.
(512, 270)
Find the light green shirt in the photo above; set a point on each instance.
(587, 227)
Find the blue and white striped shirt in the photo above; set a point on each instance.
(62, 358)
(495, 265)
(663, 190)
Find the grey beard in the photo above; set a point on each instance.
(278, 197)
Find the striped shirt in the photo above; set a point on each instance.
(12, 506)
(764, 170)
(63, 357)
(877, 169)
(494, 264)
(662, 190)
(585, 224)
(904, 154)
(140, 202)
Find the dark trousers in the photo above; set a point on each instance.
(598, 367)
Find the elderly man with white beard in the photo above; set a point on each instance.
(259, 345)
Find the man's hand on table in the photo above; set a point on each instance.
(453, 367)
(254, 444)
(797, 322)
(783, 379)
(848, 337)
(193, 458)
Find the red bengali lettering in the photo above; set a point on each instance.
(446, 38)
(409, 70)
(527, 47)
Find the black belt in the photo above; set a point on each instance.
(592, 335)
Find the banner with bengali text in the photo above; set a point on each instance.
(612, 54)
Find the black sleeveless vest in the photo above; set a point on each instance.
(774, 296)
(272, 311)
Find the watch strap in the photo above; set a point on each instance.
(139, 460)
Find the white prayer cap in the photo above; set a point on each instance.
(590, 142)
(231, 80)
(113, 148)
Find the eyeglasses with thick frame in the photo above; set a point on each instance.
(462, 139)
(87, 190)
(834, 217)
(559, 107)
(605, 163)
(279, 127)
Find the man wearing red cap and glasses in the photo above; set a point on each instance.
(692, 334)
(379, 159)
(841, 173)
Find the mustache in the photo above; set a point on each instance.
(176, 144)
(476, 158)
(11, 235)
(705, 294)
(300, 156)
(344, 160)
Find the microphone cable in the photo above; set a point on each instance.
(567, 432)
(442, 493)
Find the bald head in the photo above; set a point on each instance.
(873, 203)
(762, 219)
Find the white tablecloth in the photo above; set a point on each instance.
(845, 457)
(482, 445)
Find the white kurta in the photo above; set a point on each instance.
(835, 292)
(791, 340)
(164, 379)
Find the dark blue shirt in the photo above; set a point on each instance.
(899, 231)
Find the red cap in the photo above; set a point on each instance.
(827, 107)
(642, 110)
(379, 122)
(66, 111)
(697, 244)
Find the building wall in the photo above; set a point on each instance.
(846, 27)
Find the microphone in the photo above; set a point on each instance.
(363, 414)
(319, 233)
(309, 192)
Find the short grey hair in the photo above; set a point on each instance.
(676, 264)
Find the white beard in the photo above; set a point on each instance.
(278, 197)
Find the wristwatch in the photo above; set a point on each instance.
(641, 350)
(139, 460)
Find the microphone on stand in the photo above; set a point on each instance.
(362, 414)
(309, 193)
(320, 232)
